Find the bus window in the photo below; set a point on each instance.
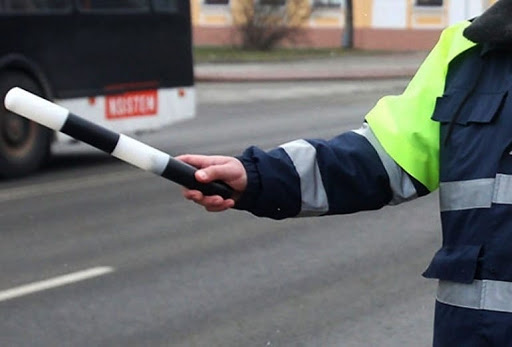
(114, 62)
(94, 5)
(165, 5)
(34, 6)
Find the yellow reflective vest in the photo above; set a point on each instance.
(403, 123)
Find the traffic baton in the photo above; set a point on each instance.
(118, 145)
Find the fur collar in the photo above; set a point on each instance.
(494, 26)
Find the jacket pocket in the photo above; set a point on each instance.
(478, 108)
(456, 264)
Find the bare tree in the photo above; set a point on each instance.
(263, 24)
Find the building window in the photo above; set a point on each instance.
(327, 3)
(429, 2)
(92, 5)
(216, 2)
(165, 5)
(273, 2)
(33, 6)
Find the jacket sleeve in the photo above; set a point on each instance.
(391, 159)
(346, 174)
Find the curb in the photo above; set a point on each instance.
(268, 76)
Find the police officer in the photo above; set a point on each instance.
(451, 129)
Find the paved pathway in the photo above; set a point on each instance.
(352, 66)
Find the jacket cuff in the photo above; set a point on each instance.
(252, 191)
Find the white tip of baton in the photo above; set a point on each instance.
(35, 108)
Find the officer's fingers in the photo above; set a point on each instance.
(213, 203)
(216, 203)
(192, 159)
(216, 209)
(202, 161)
(227, 172)
(194, 195)
(221, 205)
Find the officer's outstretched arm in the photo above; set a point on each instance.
(394, 159)
(346, 174)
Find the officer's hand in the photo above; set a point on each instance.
(212, 168)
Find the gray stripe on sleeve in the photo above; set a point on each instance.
(314, 197)
(401, 185)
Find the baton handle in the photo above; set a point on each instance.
(118, 145)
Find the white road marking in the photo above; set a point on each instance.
(54, 282)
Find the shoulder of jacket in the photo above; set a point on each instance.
(452, 41)
(456, 31)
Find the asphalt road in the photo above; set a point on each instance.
(94, 252)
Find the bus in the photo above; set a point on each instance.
(124, 64)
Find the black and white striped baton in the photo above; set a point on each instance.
(120, 146)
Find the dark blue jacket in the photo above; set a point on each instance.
(475, 113)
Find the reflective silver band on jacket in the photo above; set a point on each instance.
(400, 183)
(478, 193)
(480, 295)
(314, 197)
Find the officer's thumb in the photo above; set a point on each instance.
(202, 176)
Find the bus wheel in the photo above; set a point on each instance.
(24, 145)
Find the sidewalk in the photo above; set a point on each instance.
(350, 67)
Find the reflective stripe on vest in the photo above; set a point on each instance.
(478, 193)
(480, 295)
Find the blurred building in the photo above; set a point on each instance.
(378, 24)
